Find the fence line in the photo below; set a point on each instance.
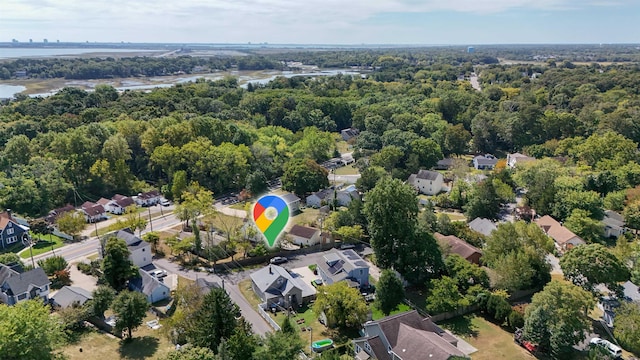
(267, 317)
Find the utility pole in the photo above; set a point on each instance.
(33, 263)
(150, 221)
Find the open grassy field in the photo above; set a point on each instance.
(306, 216)
(376, 314)
(492, 342)
(346, 170)
(146, 344)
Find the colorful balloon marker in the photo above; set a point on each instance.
(271, 214)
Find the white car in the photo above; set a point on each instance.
(165, 202)
(612, 348)
(158, 273)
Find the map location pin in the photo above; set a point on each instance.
(271, 214)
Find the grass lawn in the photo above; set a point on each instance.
(226, 222)
(342, 146)
(247, 291)
(346, 170)
(43, 245)
(377, 314)
(318, 331)
(239, 206)
(146, 344)
(492, 342)
(454, 216)
(306, 216)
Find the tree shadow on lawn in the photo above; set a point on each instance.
(138, 348)
(461, 325)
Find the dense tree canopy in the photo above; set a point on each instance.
(590, 265)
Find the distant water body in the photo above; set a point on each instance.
(12, 53)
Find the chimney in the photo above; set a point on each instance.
(9, 214)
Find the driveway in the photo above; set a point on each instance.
(81, 280)
(555, 264)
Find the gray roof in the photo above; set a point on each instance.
(482, 225)
(338, 264)
(323, 194)
(19, 283)
(69, 295)
(631, 291)
(290, 198)
(613, 219)
(205, 285)
(133, 242)
(428, 175)
(485, 159)
(266, 279)
(146, 283)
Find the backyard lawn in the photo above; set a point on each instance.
(492, 342)
(146, 344)
(346, 170)
(306, 216)
(44, 244)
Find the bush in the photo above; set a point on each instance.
(516, 319)
(498, 307)
(84, 268)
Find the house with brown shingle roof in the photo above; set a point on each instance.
(93, 212)
(563, 237)
(406, 336)
(455, 245)
(304, 235)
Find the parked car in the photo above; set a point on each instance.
(158, 273)
(165, 202)
(278, 260)
(347, 246)
(611, 348)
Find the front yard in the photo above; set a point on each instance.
(45, 243)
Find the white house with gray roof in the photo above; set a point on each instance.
(427, 182)
(139, 250)
(154, 289)
(347, 194)
(613, 224)
(319, 198)
(292, 201)
(485, 162)
(343, 265)
(20, 286)
(275, 286)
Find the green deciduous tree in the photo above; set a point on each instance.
(280, 345)
(152, 238)
(28, 331)
(389, 292)
(465, 273)
(130, 308)
(53, 264)
(343, 306)
(191, 353)
(484, 202)
(557, 317)
(116, 266)
(590, 265)
(213, 321)
(102, 298)
(10, 258)
(516, 251)
(71, 223)
(627, 326)
(444, 296)
(582, 225)
(369, 178)
(398, 242)
(303, 176)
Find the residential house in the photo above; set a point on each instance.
(347, 194)
(563, 237)
(275, 286)
(347, 159)
(11, 232)
(70, 296)
(482, 225)
(154, 289)
(455, 245)
(16, 286)
(119, 204)
(406, 336)
(427, 182)
(349, 133)
(344, 265)
(148, 198)
(445, 164)
(319, 198)
(613, 224)
(105, 203)
(93, 212)
(139, 250)
(292, 201)
(56, 213)
(304, 235)
(516, 159)
(485, 162)
(609, 305)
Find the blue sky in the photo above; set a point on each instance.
(323, 21)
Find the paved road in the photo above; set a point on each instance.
(259, 325)
(473, 79)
